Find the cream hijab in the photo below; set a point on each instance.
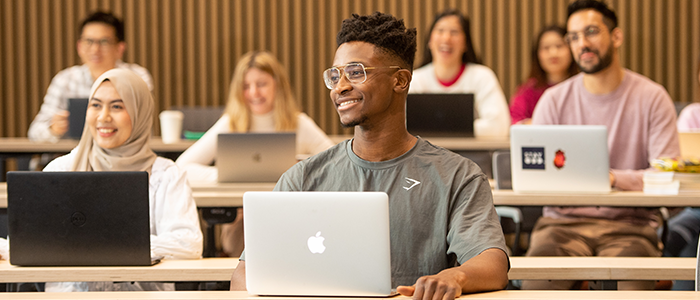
(134, 154)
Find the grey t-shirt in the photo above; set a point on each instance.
(440, 203)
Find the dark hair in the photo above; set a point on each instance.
(383, 31)
(469, 55)
(609, 16)
(536, 70)
(107, 19)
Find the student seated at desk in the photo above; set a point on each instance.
(445, 235)
(641, 123)
(450, 65)
(260, 100)
(115, 138)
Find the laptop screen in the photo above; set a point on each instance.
(78, 218)
(440, 115)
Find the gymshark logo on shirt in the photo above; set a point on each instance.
(412, 182)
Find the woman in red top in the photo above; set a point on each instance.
(551, 63)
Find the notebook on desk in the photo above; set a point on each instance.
(559, 158)
(77, 108)
(255, 157)
(78, 218)
(317, 243)
(440, 115)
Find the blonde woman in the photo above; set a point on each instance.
(260, 100)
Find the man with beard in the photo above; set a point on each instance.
(640, 119)
(445, 236)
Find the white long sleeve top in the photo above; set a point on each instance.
(174, 223)
(198, 158)
(493, 116)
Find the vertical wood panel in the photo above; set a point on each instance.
(191, 47)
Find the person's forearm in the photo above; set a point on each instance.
(487, 271)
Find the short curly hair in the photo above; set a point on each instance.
(383, 31)
(609, 16)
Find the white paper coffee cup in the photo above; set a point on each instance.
(171, 126)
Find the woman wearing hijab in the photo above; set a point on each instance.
(115, 138)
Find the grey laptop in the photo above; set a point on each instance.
(77, 107)
(559, 158)
(78, 218)
(255, 157)
(317, 243)
(440, 115)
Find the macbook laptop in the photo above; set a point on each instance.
(317, 243)
(440, 115)
(689, 143)
(78, 218)
(255, 157)
(77, 107)
(559, 158)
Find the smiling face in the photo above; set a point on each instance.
(107, 118)
(259, 91)
(553, 53)
(596, 52)
(447, 41)
(370, 101)
(98, 46)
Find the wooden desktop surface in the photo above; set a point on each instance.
(503, 295)
(23, 145)
(220, 269)
(231, 195)
(206, 269)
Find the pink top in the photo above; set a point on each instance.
(689, 119)
(641, 122)
(523, 102)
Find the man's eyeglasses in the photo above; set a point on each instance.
(101, 42)
(589, 33)
(354, 72)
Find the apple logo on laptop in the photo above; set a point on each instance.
(257, 157)
(315, 243)
(559, 159)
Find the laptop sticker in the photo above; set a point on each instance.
(559, 159)
(533, 158)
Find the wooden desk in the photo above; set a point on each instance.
(23, 145)
(456, 143)
(634, 199)
(206, 269)
(503, 295)
(602, 268)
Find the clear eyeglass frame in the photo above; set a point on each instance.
(355, 73)
(588, 33)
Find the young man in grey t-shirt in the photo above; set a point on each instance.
(445, 236)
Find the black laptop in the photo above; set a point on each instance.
(78, 218)
(440, 115)
(77, 108)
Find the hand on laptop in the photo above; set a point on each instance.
(444, 285)
(59, 123)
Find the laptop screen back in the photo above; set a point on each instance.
(440, 115)
(78, 218)
(317, 243)
(77, 108)
(559, 158)
(255, 157)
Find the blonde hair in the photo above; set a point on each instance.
(285, 109)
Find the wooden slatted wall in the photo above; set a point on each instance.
(191, 46)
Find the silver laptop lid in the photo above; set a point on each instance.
(317, 243)
(255, 157)
(559, 158)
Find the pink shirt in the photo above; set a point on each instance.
(522, 105)
(641, 122)
(689, 119)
